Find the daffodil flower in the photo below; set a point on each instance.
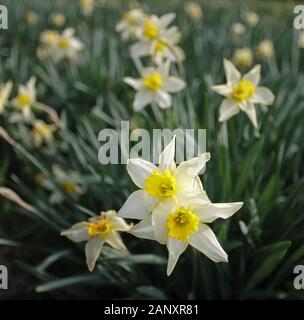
(242, 92)
(155, 27)
(178, 224)
(5, 91)
(237, 29)
(58, 19)
(25, 99)
(97, 232)
(265, 50)
(42, 132)
(154, 86)
(194, 11)
(68, 180)
(242, 57)
(67, 46)
(161, 47)
(130, 23)
(160, 183)
(87, 6)
(252, 18)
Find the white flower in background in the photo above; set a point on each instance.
(49, 40)
(87, 6)
(242, 92)
(68, 180)
(5, 91)
(252, 18)
(155, 27)
(67, 46)
(25, 99)
(237, 29)
(157, 40)
(265, 50)
(154, 86)
(58, 19)
(42, 132)
(161, 183)
(130, 23)
(301, 40)
(97, 232)
(194, 11)
(243, 57)
(178, 224)
(160, 48)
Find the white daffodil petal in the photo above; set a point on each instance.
(195, 200)
(4, 94)
(140, 49)
(228, 109)
(188, 169)
(175, 248)
(142, 98)
(159, 219)
(139, 170)
(138, 205)
(205, 241)
(120, 224)
(254, 75)
(164, 68)
(223, 89)
(263, 95)
(166, 158)
(197, 185)
(134, 83)
(92, 251)
(68, 32)
(232, 74)
(144, 229)
(166, 19)
(174, 84)
(163, 99)
(78, 232)
(115, 241)
(212, 211)
(249, 109)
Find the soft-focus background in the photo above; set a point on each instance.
(263, 168)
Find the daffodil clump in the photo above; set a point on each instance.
(59, 46)
(170, 204)
(173, 207)
(158, 40)
(22, 108)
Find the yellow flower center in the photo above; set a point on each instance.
(150, 30)
(243, 90)
(161, 184)
(160, 46)
(63, 43)
(182, 223)
(69, 187)
(99, 228)
(154, 81)
(24, 100)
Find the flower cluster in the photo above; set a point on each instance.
(23, 106)
(173, 207)
(155, 38)
(59, 46)
(171, 203)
